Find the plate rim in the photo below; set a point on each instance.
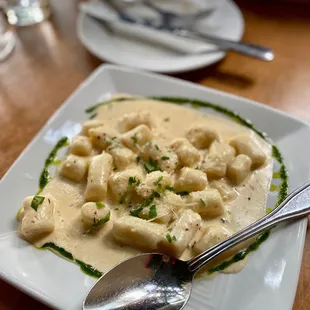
(219, 55)
(108, 68)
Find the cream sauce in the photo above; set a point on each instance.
(99, 249)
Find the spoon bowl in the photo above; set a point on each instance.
(147, 281)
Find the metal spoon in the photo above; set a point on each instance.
(157, 281)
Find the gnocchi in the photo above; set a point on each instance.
(98, 174)
(213, 234)
(188, 155)
(155, 181)
(189, 180)
(145, 175)
(74, 168)
(81, 145)
(202, 136)
(158, 213)
(181, 233)
(214, 167)
(37, 217)
(239, 169)
(227, 192)
(246, 145)
(134, 119)
(166, 159)
(138, 232)
(137, 137)
(91, 124)
(208, 203)
(122, 157)
(215, 163)
(101, 138)
(223, 151)
(120, 184)
(95, 214)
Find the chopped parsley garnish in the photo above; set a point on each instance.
(36, 202)
(134, 138)
(155, 194)
(147, 201)
(151, 165)
(131, 182)
(183, 193)
(156, 147)
(100, 205)
(203, 202)
(136, 212)
(123, 200)
(268, 210)
(158, 180)
(158, 184)
(102, 221)
(169, 188)
(138, 158)
(171, 238)
(152, 212)
(165, 158)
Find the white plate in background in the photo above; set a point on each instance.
(270, 277)
(147, 49)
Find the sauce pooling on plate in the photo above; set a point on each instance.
(146, 175)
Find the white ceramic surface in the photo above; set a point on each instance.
(270, 278)
(152, 50)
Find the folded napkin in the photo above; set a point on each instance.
(182, 45)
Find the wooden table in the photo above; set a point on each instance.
(49, 63)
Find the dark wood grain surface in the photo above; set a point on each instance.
(49, 62)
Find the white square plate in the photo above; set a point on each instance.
(270, 278)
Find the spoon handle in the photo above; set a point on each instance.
(252, 50)
(296, 205)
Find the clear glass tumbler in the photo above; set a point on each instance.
(7, 39)
(26, 12)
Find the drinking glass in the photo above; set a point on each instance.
(7, 38)
(26, 12)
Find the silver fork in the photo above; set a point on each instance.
(171, 20)
(176, 25)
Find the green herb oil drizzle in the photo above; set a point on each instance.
(51, 246)
(282, 174)
(88, 269)
(92, 109)
(51, 160)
